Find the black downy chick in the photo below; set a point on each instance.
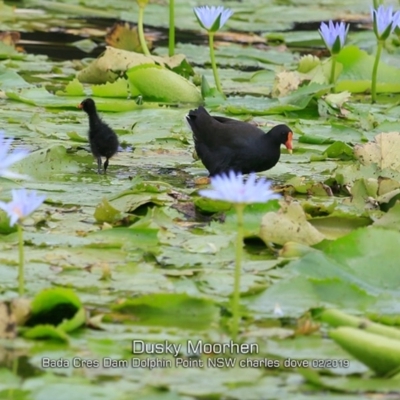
(103, 140)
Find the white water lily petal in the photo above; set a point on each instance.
(23, 203)
(208, 15)
(8, 158)
(332, 31)
(233, 189)
(384, 17)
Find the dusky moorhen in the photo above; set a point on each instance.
(103, 140)
(225, 144)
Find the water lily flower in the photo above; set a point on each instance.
(8, 158)
(23, 203)
(385, 22)
(233, 189)
(212, 18)
(278, 312)
(334, 35)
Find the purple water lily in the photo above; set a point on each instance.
(7, 158)
(212, 18)
(385, 21)
(334, 35)
(23, 203)
(233, 189)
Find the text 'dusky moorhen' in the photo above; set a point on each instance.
(103, 140)
(225, 144)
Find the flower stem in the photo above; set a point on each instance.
(142, 39)
(332, 79)
(21, 282)
(238, 271)
(375, 71)
(12, 390)
(171, 36)
(213, 63)
(377, 3)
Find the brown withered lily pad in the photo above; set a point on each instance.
(383, 151)
(125, 36)
(113, 63)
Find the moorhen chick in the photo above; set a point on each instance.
(225, 144)
(103, 140)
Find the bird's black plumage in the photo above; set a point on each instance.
(103, 140)
(225, 144)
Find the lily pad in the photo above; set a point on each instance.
(47, 163)
(73, 88)
(170, 309)
(159, 84)
(124, 35)
(357, 70)
(289, 224)
(118, 88)
(113, 64)
(342, 274)
(384, 151)
(54, 313)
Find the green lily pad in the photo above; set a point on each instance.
(350, 384)
(47, 163)
(339, 150)
(125, 237)
(391, 219)
(54, 313)
(39, 96)
(73, 88)
(113, 64)
(170, 309)
(337, 225)
(159, 84)
(295, 101)
(343, 274)
(46, 332)
(118, 88)
(105, 212)
(9, 79)
(357, 71)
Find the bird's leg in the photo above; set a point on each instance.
(99, 165)
(106, 165)
(272, 249)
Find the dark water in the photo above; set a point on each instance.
(58, 44)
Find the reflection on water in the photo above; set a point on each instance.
(58, 45)
(17, 361)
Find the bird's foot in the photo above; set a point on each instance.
(272, 249)
(203, 180)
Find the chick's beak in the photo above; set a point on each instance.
(80, 106)
(288, 143)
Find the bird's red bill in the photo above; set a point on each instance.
(288, 142)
